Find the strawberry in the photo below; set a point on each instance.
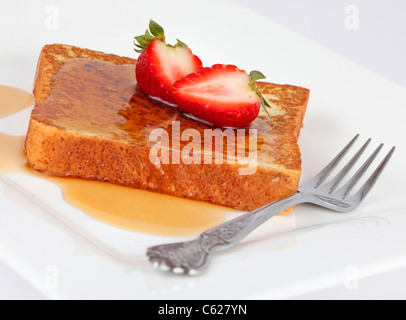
(160, 65)
(222, 95)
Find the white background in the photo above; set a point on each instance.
(378, 44)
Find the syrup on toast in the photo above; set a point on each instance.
(90, 121)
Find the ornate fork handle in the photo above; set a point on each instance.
(194, 256)
(232, 232)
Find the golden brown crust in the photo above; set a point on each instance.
(57, 149)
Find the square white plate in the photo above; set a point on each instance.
(66, 254)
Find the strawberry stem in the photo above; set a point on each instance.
(256, 75)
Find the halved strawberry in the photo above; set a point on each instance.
(160, 65)
(222, 95)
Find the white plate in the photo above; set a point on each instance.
(65, 254)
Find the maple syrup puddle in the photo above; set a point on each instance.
(122, 207)
(13, 100)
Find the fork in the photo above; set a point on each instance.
(193, 257)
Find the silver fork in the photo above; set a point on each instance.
(193, 257)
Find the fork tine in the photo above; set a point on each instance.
(362, 193)
(333, 184)
(351, 183)
(323, 174)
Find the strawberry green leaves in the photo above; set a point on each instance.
(155, 32)
(156, 29)
(180, 43)
(256, 75)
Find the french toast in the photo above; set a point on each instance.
(90, 121)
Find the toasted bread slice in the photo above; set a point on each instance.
(90, 121)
